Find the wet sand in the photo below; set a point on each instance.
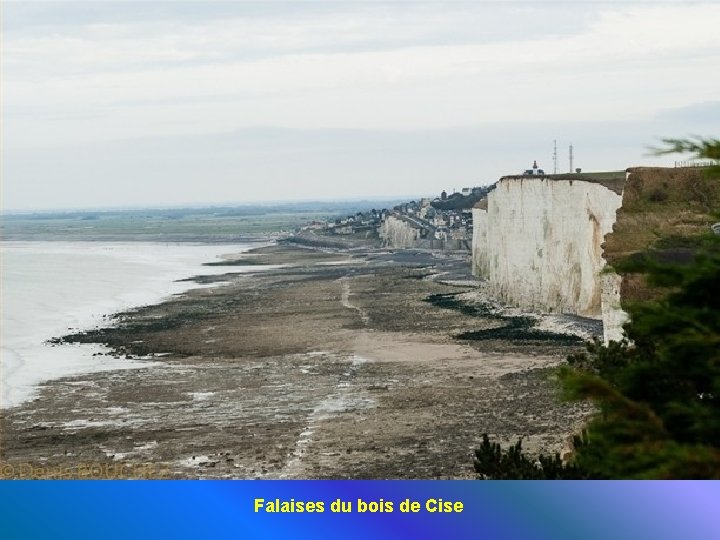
(326, 364)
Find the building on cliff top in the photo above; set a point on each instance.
(535, 171)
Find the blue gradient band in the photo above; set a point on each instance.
(492, 510)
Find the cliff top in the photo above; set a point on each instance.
(613, 180)
(482, 203)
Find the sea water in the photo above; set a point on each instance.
(50, 289)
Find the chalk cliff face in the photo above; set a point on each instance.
(480, 254)
(613, 315)
(539, 243)
(396, 233)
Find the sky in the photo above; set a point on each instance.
(130, 103)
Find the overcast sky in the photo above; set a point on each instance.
(112, 104)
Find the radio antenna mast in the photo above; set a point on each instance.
(571, 158)
(555, 156)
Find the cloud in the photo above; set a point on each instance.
(704, 115)
(153, 100)
(259, 164)
(210, 76)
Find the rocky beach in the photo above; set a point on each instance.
(312, 362)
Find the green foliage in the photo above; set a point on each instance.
(659, 397)
(700, 147)
(493, 463)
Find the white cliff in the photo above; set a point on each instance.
(539, 244)
(613, 315)
(398, 233)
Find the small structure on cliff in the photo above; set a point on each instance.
(535, 171)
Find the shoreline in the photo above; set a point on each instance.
(330, 364)
(58, 287)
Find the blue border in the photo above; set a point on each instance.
(493, 510)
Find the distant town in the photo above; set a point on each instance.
(444, 220)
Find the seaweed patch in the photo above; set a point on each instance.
(518, 328)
